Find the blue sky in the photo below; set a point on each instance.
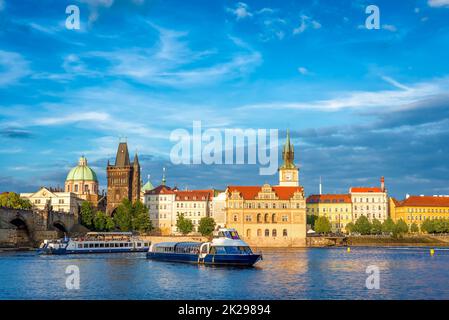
(359, 103)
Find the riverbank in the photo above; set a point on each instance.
(385, 241)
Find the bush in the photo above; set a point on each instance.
(414, 228)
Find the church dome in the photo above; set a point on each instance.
(82, 172)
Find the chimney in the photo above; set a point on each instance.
(382, 184)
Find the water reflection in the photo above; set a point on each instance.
(331, 273)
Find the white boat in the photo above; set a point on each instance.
(95, 242)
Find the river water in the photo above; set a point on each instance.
(321, 273)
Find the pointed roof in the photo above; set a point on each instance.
(288, 154)
(136, 160)
(122, 157)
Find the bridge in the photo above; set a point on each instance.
(25, 228)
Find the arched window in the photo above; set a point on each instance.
(284, 232)
(248, 233)
(259, 232)
(259, 217)
(273, 218)
(274, 233)
(266, 218)
(235, 218)
(76, 188)
(267, 233)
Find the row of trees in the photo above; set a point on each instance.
(365, 227)
(13, 201)
(128, 217)
(435, 226)
(134, 217)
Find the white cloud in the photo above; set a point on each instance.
(96, 117)
(438, 3)
(303, 70)
(389, 27)
(13, 67)
(387, 99)
(240, 11)
(305, 23)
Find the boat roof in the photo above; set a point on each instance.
(109, 234)
(181, 244)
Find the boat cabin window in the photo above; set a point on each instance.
(101, 245)
(230, 250)
(229, 234)
(97, 245)
(91, 245)
(146, 244)
(139, 244)
(80, 245)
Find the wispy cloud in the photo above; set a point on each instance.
(240, 11)
(438, 3)
(13, 67)
(305, 23)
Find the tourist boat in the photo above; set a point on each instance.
(226, 248)
(95, 242)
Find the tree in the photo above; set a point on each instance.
(100, 221)
(376, 227)
(130, 217)
(388, 226)
(414, 228)
(400, 228)
(14, 201)
(87, 214)
(206, 226)
(311, 218)
(184, 225)
(362, 225)
(322, 225)
(428, 226)
(350, 227)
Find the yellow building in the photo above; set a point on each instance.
(416, 209)
(272, 216)
(336, 207)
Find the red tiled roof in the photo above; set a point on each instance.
(161, 190)
(365, 189)
(425, 201)
(194, 195)
(329, 198)
(250, 192)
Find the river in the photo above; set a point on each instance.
(318, 273)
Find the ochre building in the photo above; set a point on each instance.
(273, 216)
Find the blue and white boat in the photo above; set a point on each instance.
(95, 242)
(225, 249)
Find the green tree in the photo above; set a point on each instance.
(400, 228)
(414, 228)
(184, 225)
(428, 226)
(362, 225)
(14, 201)
(322, 225)
(376, 227)
(100, 221)
(132, 217)
(350, 227)
(206, 226)
(388, 226)
(311, 218)
(87, 214)
(110, 225)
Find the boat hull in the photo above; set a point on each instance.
(217, 259)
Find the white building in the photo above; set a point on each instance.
(58, 201)
(371, 202)
(194, 205)
(218, 212)
(160, 202)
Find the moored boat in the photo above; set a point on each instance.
(225, 249)
(95, 242)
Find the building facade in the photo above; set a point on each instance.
(160, 202)
(123, 179)
(336, 207)
(83, 181)
(194, 205)
(67, 202)
(218, 212)
(371, 202)
(270, 215)
(416, 209)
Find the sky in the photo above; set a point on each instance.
(359, 103)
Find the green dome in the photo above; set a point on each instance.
(82, 172)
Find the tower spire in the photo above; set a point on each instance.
(163, 176)
(288, 153)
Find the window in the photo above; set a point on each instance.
(273, 218)
(274, 232)
(259, 232)
(267, 233)
(248, 233)
(284, 232)
(235, 218)
(259, 217)
(266, 218)
(284, 218)
(248, 218)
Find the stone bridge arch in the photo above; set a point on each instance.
(23, 237)
(60, 228)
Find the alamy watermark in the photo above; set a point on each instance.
(373, 280)
(72, 282)
(227, 146)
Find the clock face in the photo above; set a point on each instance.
(288, 176)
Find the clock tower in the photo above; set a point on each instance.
(288, 172)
